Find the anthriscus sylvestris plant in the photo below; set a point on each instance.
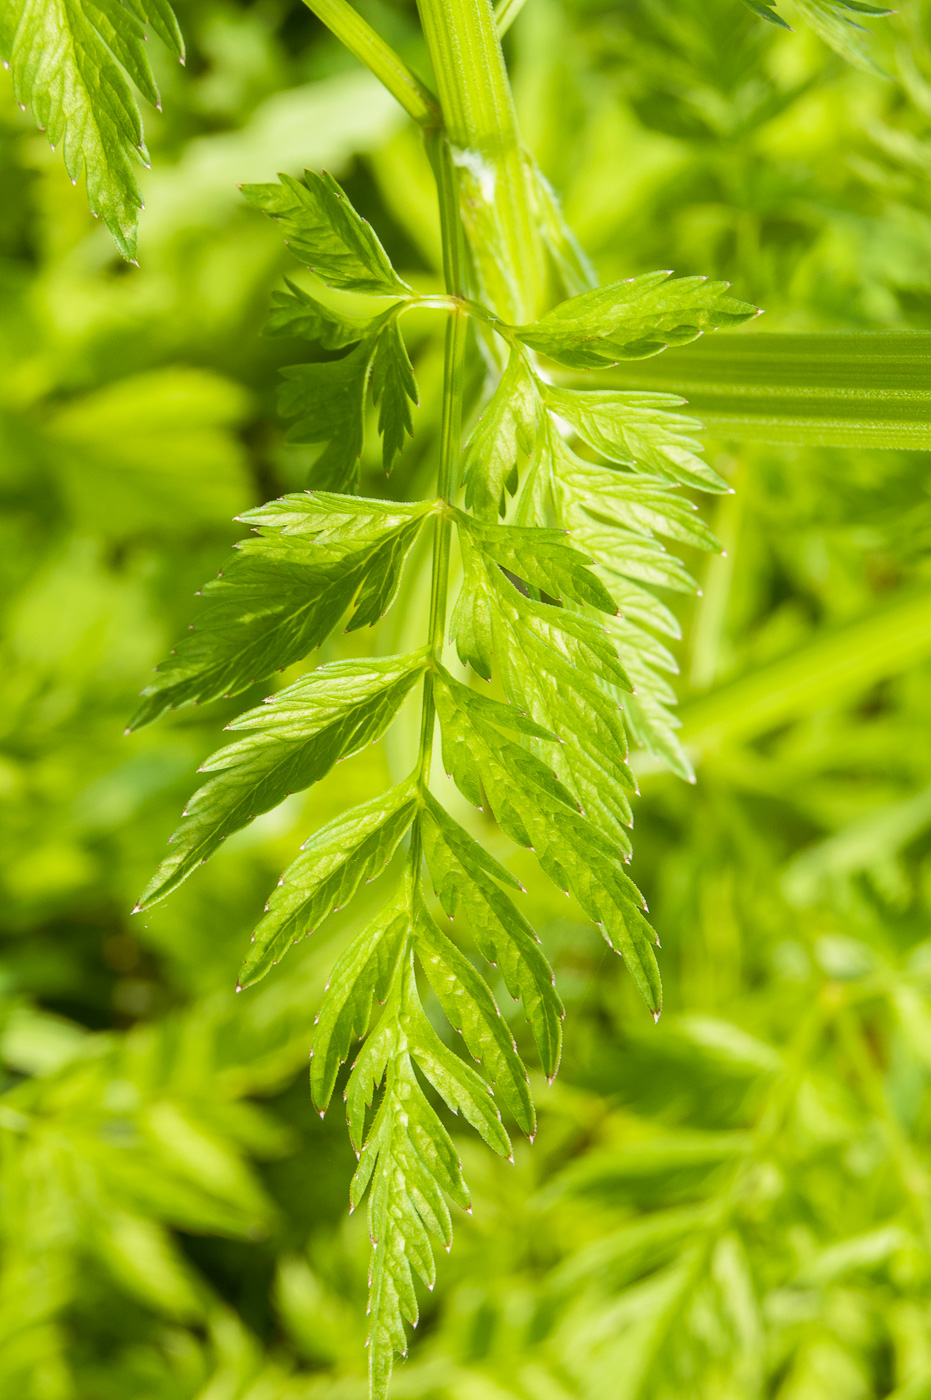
(555, 505)
(552, 507)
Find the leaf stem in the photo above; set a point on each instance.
(380, 58)
(450, 438)
(506, 12)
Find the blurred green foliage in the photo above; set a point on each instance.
(736, 1203)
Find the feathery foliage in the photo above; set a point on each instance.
(718, 1193)
(550, 763)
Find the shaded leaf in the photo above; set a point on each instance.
(297, 313)
(394, 389)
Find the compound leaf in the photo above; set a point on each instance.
(833, 20)
(535, 810)
(638, 430)
(362, 974)
(297, 313)
(328, 401)
(409, 1164)
(471, 1009)
(333, 520)
(555, 665)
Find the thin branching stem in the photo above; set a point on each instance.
(380, 58)
(450, 439)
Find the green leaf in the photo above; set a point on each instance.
(462, 1089)
(297, 736)
(407, 1163)
(471, 1009)
(322, 229)
(634, 556)
(629, 500)
(535, 810)
(543, 558)
(332, 865)
(279, 598)
(407, 1160)
(570, 260)
(653, 727)
(328, 401)
(638, 430)
(555, 665)
(332, 520)
(297, 313)
(506, 428)
(464, 876)
(394, 389)
(362, 974)
(73, 62)
(471, 726)
(633, 319)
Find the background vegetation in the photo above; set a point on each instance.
(736, 1203)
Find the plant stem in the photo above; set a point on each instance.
(370, 48)
(506, 12)
(480, 122)
(450, 438)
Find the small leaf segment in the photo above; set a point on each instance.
(76, 63)
(564, 496)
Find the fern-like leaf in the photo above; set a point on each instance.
(556, 606)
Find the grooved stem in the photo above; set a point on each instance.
(480, 122)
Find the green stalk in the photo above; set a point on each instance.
(506, 12)
(450, 439)
(370, 48)
(476, 111)
(481, 125)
